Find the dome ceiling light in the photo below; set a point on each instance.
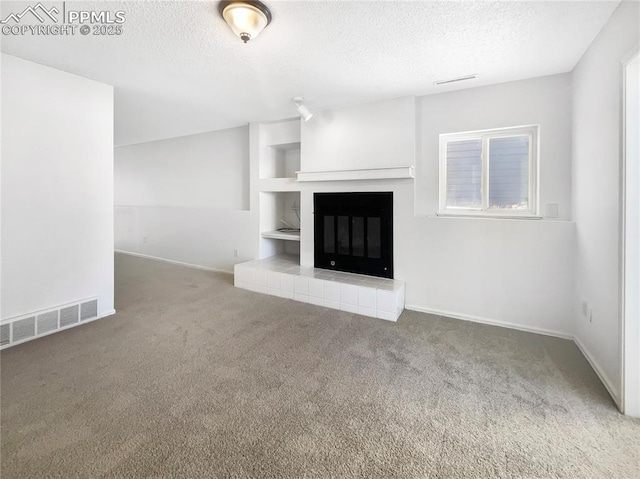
(247, 18)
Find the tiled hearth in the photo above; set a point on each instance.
(283, 276)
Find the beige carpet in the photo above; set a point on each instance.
(194, 378)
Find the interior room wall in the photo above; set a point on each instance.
(186, 199)
(596, 132)
(517, 273)
(57, 189)
(374, 135)
(544, 101)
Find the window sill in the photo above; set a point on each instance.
(490, 216)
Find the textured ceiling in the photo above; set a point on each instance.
(179, 70)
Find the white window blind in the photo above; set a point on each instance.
(509, 172)
(491, 172)
(464, 174)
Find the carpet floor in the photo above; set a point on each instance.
(195, 378)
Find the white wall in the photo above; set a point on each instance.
(512, 272)
(373, 135)
(597, 83)
(544, 101)
(186, 199)
(208, 170)
(57, 189)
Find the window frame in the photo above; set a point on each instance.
(532, 131)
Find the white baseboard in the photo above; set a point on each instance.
(492, 322)
(172, 261)
(613, 392)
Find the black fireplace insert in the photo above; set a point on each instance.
(353, 232)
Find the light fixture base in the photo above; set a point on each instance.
(302, 109)
(254, 3)
(248, 20)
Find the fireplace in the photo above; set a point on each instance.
(354, 232)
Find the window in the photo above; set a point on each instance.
(489, 173)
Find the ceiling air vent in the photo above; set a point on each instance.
(89, 310)
(24, 329)
(68, 316)
(47, 322)
(453, 80)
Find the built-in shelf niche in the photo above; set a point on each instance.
(280, 161)
(279, 210)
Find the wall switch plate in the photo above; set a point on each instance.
(552, 210)
(585, 308)
(236, 253)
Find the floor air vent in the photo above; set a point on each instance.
(47, 322)
(89, 310)
(68, 316)
(24, 329)
(18, 329)
(5, 334)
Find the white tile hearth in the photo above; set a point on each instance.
(282, 276)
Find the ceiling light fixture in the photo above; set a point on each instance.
(303, 110)
(247, 18)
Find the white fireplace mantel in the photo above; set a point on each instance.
(392, 173)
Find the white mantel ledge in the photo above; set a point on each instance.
(392, 173)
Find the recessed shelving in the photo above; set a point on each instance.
(279, 210)
(279, 192)
(282, 235)
(280, 161)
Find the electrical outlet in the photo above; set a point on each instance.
(144, 240)
(236, 253)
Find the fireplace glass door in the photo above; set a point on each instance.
(354, 232)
